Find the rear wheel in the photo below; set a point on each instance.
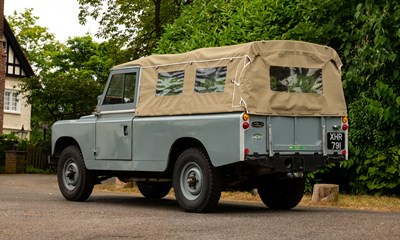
(74, 180)
(196, 182)
(281, 193)
(155, 190)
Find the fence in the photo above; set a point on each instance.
(36, 156)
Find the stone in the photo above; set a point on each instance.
(120, 184)
(325, 193)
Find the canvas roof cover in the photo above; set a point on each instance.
(263, 78)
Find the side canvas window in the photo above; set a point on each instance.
(210, 80)
(170, 83)
(296, 79)
(121, 89)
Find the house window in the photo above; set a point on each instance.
(11, 101)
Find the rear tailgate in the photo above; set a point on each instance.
(304, 135)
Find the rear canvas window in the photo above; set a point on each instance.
(296, 79)
(170, 83)
(210, 80)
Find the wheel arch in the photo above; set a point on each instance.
(62, 143)
(181, 145)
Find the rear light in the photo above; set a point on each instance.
(345, 119)
(246, 151)
(245, 118)
(345, 127)
(344, 152)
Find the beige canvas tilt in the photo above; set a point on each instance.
(247, 86)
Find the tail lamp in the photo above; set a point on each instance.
(345, 125)
(246, 123)
(246, 151)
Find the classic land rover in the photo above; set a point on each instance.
(255, 115)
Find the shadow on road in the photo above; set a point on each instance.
(169, 203)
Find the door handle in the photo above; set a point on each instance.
(125, 130)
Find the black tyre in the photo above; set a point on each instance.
(154, 190)
(74, 180)
(196, 182)
(283, 193)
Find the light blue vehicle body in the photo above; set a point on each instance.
(114, 139)
(256, 115)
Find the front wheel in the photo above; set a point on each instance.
(154, 190)
(196, 182)
(74, 180)
(281, 193)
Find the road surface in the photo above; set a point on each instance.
(31, 207)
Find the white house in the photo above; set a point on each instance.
(17, 113)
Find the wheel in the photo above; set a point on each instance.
(155, 190)
(74, 180)
(196, 182)
(283, 193)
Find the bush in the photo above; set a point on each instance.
(9, 142)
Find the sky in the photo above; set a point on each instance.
(59, 16)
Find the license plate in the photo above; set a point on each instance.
(336, 140)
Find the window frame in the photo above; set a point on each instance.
(210, 92)
(320, 90)
(120, 106)
(182, 80)
(18, 101)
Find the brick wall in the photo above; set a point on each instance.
(15, 162)
(2, 65)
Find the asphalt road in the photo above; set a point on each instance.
(31, 207)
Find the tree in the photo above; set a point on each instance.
(136, 24)
(68, 76)
(366, 35)
(218, 23)
(372, 82)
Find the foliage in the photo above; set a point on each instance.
(371, 81)
(33, 170)
(69, 76)
(221, 23)
(9, 142)
(365, 33)
(136, 24)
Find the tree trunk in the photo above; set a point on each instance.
(157, 21)
(325, 192)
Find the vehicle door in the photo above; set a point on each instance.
(115, 115)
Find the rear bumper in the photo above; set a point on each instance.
(292, 163)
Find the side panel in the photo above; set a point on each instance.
(154, 136)
(82, 130)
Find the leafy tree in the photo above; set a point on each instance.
(69, 76)
(371, 81)
(218, 23)
(365, 33)
(137, 24)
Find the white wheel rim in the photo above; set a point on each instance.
(191, 181)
